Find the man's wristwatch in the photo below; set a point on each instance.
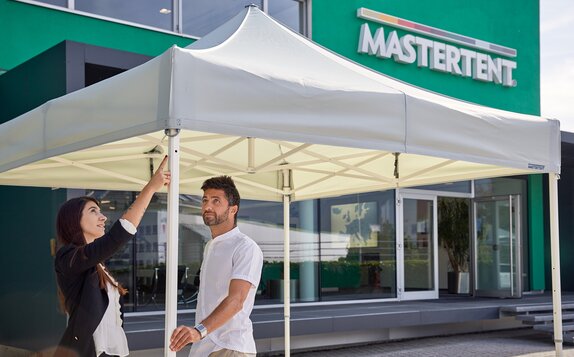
(201, 329)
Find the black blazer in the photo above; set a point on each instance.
(78, 279)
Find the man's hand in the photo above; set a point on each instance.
(231, 305)
(182, 336)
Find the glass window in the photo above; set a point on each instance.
(458, 187)
(517, 185)
(198, 17)
(355, 257)
(201, 17)
(155, 13)
(418, 244)
(140, 266)
(500, 186)
(286, 12)
(358, 257)
(62, 3)
(263, 222)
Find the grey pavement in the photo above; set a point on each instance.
(522, 342)
(507, 343)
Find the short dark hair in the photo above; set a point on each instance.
(226, 184)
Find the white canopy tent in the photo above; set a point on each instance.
(286, 118)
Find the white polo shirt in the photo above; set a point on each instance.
(232, 255)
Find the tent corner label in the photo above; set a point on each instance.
(536, 167)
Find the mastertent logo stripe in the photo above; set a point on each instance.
(386, 19)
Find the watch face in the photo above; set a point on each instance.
(201, 329)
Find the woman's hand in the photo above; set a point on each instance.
(160, 178)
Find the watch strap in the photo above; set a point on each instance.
(201, 329)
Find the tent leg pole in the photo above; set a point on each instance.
(172, 240)
(555, 254)
(286, 263)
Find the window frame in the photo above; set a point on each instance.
(176, 16)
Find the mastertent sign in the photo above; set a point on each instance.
(479, 63)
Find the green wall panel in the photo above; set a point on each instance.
(30, 84)
(33, 29)
(28, 300)
(536, 230)
(510, 23)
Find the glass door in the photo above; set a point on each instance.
(497, 259)
(417, 247)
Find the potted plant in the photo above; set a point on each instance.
(453, 233)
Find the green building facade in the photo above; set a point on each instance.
(483, 52)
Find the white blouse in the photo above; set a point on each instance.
(109, 336)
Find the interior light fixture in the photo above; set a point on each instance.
(165, 11)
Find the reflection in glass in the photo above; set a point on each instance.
(497, 247)
(418, 244)
(62, 3)
(493, 244)
(357, 248)
(155, 13)
(198, 17)
(286, 12)
(263, 222)
(140, 266)
(358, 258)
(516, 185)
(460, 187)
(201, 17)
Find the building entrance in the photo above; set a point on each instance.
(417, 247)
(497, 246)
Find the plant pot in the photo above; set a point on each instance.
(458, 283)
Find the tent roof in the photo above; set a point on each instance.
(254, 98)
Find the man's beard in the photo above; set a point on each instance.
(214, 219)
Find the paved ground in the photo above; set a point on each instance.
(522, 342)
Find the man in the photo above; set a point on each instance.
(229, 277)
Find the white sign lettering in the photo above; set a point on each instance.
(438, 56)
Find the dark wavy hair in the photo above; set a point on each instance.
(226, 184)
(69, 232)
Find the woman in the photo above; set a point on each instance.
(90, 295)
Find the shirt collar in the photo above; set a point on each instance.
(226, 235)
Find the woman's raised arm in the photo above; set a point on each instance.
(159, 179)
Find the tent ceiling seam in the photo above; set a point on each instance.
(376, 155)
(427, 170)
(214, 159)
(341, 174)
(98, 170)
(282, 156)
(224, 148)
(250, 183)
(348, 169)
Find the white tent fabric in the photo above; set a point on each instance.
(253, 99)
(305, 106)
